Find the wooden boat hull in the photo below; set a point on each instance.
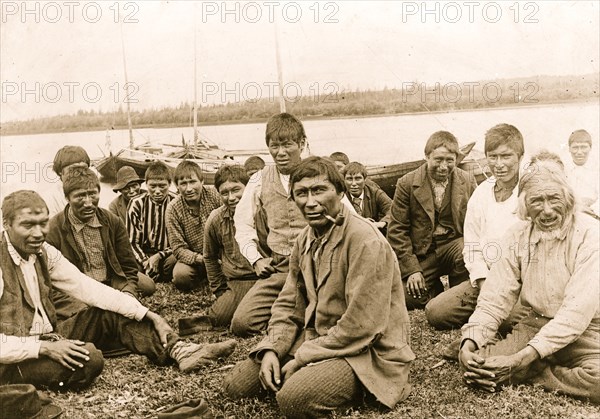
(385, 176)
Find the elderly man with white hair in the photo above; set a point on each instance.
(550, 261)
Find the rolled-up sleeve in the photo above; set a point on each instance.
(245, 230)
(67, 278)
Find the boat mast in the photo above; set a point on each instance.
(279, 72)
(131, 144)
(195, 89)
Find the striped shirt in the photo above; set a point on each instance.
(185, 225)
(89, 242)
(147, 227)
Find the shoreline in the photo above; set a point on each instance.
(317, 117)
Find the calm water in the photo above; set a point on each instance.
(26, 161)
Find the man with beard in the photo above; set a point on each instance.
(128, 186)
(186, 218)
(426, 221)
(146, 225)
(549, 261)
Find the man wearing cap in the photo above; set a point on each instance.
(550, 261)
(39, 349)
(94, 239)
(129, 185)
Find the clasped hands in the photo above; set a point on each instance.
(490, 373)
(271, 375)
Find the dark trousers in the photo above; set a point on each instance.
(100, 330)
(223, 309)
(314, 391)
(254, 311)
(442, 259)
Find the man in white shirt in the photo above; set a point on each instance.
(266, 201)
(581, 174)
(36, 348)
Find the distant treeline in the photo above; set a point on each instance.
(411, 97)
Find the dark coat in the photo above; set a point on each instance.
(412, 218)
(121, 266)
(376, 204)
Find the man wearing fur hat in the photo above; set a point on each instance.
(550, 261)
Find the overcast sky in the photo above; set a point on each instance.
(55, 49)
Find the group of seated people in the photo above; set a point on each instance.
(315, 256)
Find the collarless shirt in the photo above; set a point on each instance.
(89, 241)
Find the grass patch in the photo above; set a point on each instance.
(131, 387)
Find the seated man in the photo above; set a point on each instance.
(40, 350)
(370, 202)
(128, 186)
(253, 164)
(186, 218)
(427, 217)
(230, 275)
(265, 204)
(94, 240)
(340, 325)
(551, 262)
(340, 159)
(146, 225)
(490, 212)
(581, 174)
(67, 157)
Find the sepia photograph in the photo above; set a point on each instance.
(265, 209)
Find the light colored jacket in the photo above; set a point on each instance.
(353, 309)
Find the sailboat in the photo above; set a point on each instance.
(207, 154)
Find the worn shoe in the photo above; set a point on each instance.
(195, 324)
(190, 409)
(191, 356)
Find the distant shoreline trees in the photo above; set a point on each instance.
(411, 98)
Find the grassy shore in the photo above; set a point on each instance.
(131, 387)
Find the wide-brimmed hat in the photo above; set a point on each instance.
(23, 401)
(125, 176)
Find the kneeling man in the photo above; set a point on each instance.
(551, 262)
(40, 350)
(340, 324)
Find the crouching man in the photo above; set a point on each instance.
(340, 324)
(551, 262)
(36, 348)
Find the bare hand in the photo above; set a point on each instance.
(510, 369)
(270, 372)
(161, 326)
(289, 369)
(416, 285)
(263, 268)
(199, 259)
(474, 372)
(151, 264)
(65, 352)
